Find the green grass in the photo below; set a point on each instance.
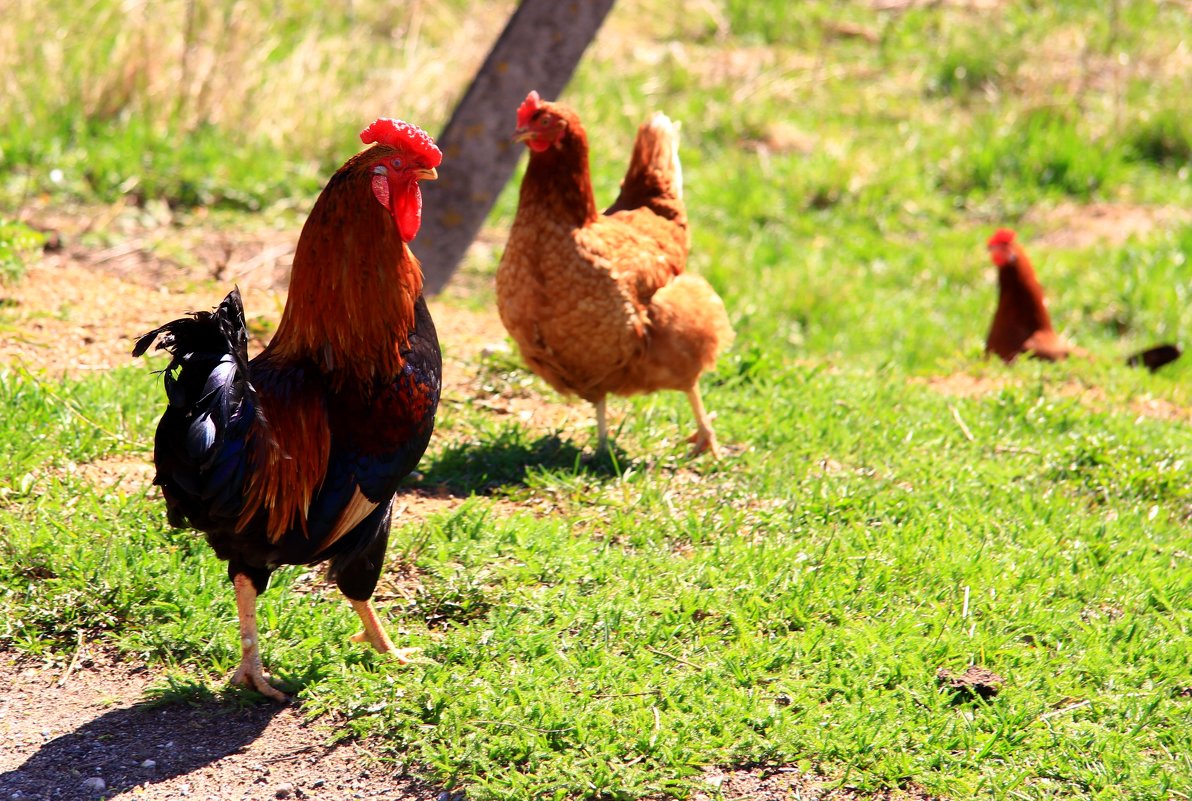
(18, 243)
(604, 627)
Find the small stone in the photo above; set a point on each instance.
(495, 349)
(317, 783)
(93, 785)
(149, 764)
(283, 790)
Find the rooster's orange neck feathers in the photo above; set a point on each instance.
(353, 285)
(559, 178)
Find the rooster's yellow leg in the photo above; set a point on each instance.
(251, 673)
(704, 439)
(374, 633)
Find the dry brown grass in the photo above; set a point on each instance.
(267, 69)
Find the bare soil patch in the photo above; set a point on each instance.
(774, 783)
(66, 733)
(1076, 225)
(965, 385)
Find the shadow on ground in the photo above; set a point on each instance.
(148, 742)
(509, 460)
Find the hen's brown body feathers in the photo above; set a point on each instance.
(599, 304)
(1021, 323)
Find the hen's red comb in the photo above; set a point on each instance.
(396, 133)
(1002, 236)
(527, 109)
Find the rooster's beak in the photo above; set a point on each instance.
(427, 175)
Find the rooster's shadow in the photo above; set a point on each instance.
(149, 742)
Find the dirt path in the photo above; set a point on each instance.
(96, 736)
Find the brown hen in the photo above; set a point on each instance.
(1021, 323)
(600, 304)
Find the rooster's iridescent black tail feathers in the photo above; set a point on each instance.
(200, 444)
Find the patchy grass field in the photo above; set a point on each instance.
(627, 627)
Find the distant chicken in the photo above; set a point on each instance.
(295, 456)
(600, 304)
(1021, 323)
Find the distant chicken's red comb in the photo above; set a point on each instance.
(396, 133)
(527, 109)
(1002, 236)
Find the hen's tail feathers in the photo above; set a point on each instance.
(201, 442)
(1154, 358)
(654, 179)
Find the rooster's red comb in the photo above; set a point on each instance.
(1002, 236)
(527, 109)
(396, 133)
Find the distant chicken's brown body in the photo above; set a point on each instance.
(600, 304)
(1021, 323)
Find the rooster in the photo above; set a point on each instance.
(599, 304)
(294, 457)
(1021, 323)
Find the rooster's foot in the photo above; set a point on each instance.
(255, 678)
(403, 656)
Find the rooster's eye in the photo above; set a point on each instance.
(397, 162)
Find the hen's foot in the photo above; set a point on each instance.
(704, 442)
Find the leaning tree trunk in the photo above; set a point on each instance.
(539, 49)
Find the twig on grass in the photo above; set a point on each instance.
(523, 726)
(617, 695)
(960, 422)
(1014, 449)
(1063, 710)
(678, 659)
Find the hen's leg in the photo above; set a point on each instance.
(602, 424)
(251, 673)
(704, 439)
(374, 633)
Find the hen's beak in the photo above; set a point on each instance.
(523, 135)
(430, 174)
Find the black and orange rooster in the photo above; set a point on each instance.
(295, 456)
(1021, 323)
